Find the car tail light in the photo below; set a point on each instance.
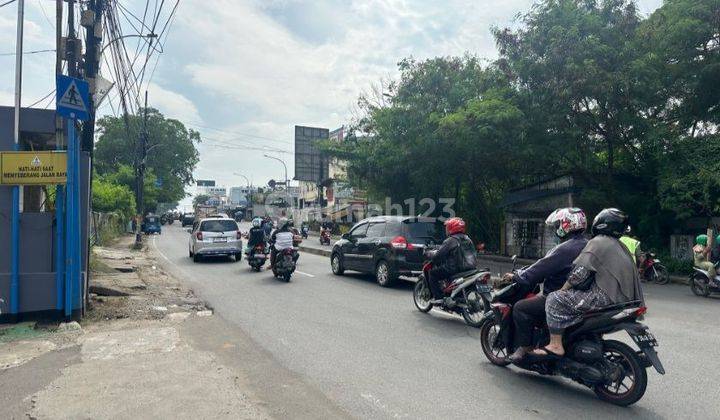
(239, 235)
(399, 242)
(199, 236)
(641, 311)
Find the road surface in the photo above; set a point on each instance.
(373, 354)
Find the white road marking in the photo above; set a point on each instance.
(305, 274)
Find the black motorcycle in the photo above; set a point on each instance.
(256, 256)
(285, 263)
(462, 290)
(700, 283)
(612, 369)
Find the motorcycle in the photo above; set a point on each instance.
(653, 270)
(285, 264)
(304, 232)
(700, 283)
(612, 369)
(325, 237)
(256, 256)
(462, 288)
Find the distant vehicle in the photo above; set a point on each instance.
(202, 211)
(215, 237)
(386, 246)
(187, 219)
(257, 256)
(152, 224)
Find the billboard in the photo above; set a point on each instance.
(205, 183)
(310, 164)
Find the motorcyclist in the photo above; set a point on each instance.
(456, 255)
(280, 240)
(256, 236)
(551, 271)
(702, 256)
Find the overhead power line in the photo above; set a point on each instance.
(28, 52)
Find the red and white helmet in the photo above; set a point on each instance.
(566, 220)
(454, 225)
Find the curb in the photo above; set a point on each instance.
(316, 251)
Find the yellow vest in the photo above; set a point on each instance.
(631, 244)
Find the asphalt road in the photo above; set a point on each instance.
(369, 350)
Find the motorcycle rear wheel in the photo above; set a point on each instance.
(488, 333)
(422, 295)
(620, 353)
(699, 286)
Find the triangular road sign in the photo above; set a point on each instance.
(72, 99)
(35, 161)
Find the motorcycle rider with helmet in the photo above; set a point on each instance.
(603, 274)
(280, 240)
(256, 236)
(569, 224)
(456, 255)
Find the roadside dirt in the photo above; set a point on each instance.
(129, 284)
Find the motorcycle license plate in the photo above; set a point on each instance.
(221, 239)
(645, 340)
(484, 288)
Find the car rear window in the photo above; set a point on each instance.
(425, 231)
(376, 230)
(218, 226)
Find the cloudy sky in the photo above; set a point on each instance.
(244, 72)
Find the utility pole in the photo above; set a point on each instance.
(140, 171)
(92, 21)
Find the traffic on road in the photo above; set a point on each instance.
(610, 348)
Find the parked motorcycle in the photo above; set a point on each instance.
(612, 369)
(325, 237)
(285, 264)
(653, 270)
(256, 256)
(463, 290)
(700, 283)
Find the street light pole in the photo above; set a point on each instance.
(246, 178)
(287, 192)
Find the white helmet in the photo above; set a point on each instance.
(566, 220)
(256, 222)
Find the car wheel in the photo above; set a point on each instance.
(384, 275)
(190, 253)
(238, 257)
(337, 264)
(196, 258)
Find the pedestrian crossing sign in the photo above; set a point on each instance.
(71, 98)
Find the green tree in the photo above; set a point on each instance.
(110, 197)
(200, 199)
(171, 153)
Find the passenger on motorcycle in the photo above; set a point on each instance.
(256, 236)
(604, 274)
(456, 255)
(701, 256)
(551, 271)
(280, 240)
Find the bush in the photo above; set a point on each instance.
(108, 197)
(675, 266)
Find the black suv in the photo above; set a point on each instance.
(387, 246)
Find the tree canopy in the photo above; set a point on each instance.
(171, 155)
(627, 105)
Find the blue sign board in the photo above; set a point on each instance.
(72, 98)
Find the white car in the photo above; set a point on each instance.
(215, 237)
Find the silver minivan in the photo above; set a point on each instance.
(215, 237)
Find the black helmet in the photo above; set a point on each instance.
(611, 222)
